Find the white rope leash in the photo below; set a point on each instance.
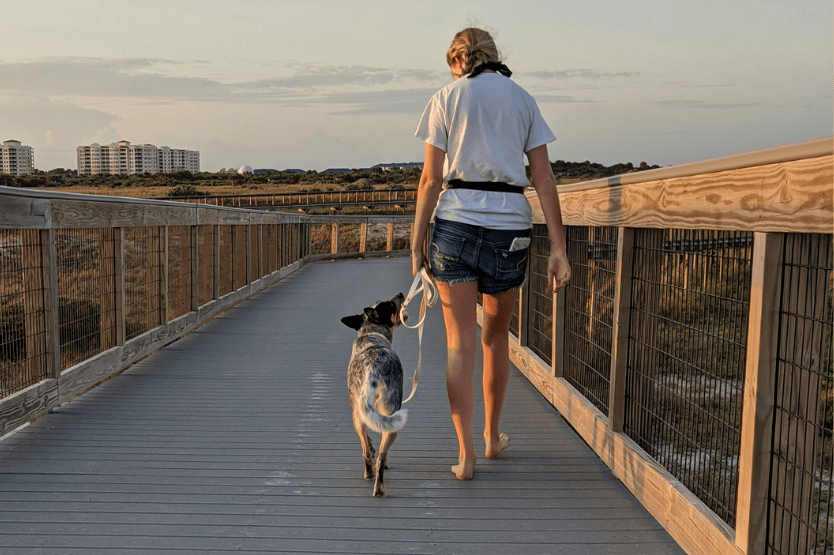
(422, 284)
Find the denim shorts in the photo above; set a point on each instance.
(462, 252)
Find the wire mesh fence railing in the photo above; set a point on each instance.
(686, 361)
(85, 260)
(130, 276)
(23, 342)
(540, 307)
(800, 515)
(589, 311)
(687, 357)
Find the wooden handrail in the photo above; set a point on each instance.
(785, 189)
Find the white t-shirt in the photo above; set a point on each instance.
(484, 125)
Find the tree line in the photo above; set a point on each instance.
(186, 183)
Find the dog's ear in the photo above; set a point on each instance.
(353, 322)
(372, 314)
(381, 314)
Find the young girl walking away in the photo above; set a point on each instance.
(481, 125)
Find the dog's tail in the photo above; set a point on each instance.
(373, 418)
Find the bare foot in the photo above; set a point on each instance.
(494, 448)
(464, 470)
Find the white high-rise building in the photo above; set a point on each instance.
(16, 159)
(123, 158)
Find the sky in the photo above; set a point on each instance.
(317, 84)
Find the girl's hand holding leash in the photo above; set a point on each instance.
(418, 261)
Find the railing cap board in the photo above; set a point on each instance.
(35, 209)
(405, 219)
(786, 189)
(292, 193)
(20, 212)
(788, 153)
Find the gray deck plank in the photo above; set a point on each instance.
(238, 438)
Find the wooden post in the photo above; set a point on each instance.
(195, 267)
(334, 238)
(34, 303)
(119, 252)
(107, 295)
(261, 262)
(163, 278)
(50, 297)
(153, 260)
(558, 342)
(249, 253)
(524, 312)
(622, 323)
(759, 384)
(216, 263)
(235, 245)
(390, 243)
(363, 236)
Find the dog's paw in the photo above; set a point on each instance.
(379, 490)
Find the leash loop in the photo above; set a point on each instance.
(422, 284)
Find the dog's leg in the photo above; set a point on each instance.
(367, 446)
(382, 462)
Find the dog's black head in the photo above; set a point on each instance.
(381, 313)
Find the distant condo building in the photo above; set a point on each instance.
(16, 159)
(123, 158)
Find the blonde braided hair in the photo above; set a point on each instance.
(472, 47)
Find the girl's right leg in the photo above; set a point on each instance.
(459, 302)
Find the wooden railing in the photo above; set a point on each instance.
(91, 284)
(369, 199)
(692, 349)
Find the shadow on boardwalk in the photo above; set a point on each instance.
(237, 438)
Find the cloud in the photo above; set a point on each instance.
(60, 123)
(560, 99)
(580, 74)
(701, 105)
(345, 90)
(55, 128)
(148, 80)
(694, 85)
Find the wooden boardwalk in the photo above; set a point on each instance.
(237, 438)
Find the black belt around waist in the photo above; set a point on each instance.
(496, 186)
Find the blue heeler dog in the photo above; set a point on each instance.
(375, 383)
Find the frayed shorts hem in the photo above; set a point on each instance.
(490, 291)
(461, 253)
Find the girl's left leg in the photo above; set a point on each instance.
(498, 310)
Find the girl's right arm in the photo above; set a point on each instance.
(428, 191)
